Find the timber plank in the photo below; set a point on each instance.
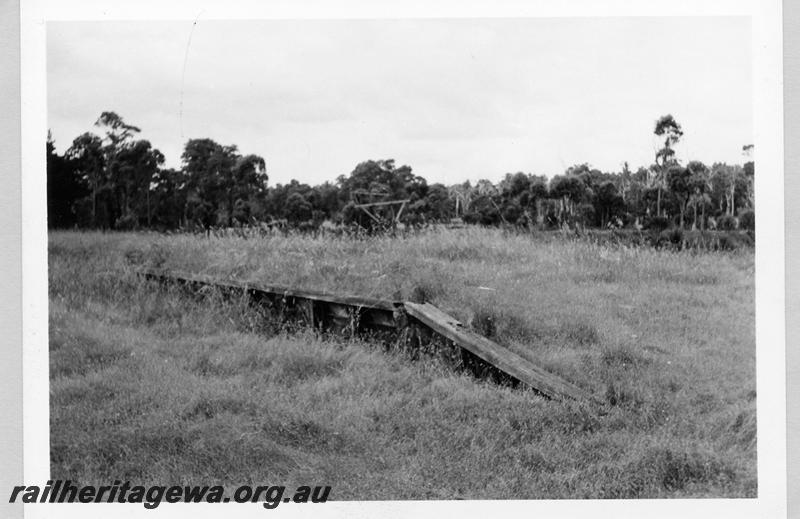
(504, 359)
(280, 290)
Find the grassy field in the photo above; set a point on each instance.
(153, 386)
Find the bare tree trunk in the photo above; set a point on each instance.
(539, 214)
(658, 202)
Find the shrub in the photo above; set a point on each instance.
(585, 213)
(657, 223)
(747, 220)
(126, 223)
(550, 216)
(726, 223)
(667, 238)
(471, 218)
(512, 213)
(675, 236)
(729, 242)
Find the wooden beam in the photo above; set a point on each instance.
(400, 212)
(502, 358)
(370, 214)
(277, 290)
(378, 204)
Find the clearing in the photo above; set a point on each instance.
(151, 385)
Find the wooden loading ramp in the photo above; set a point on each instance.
(321, 309)
(498, 356)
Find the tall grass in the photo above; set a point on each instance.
(159, 386)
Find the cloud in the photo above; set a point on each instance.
(454, 99)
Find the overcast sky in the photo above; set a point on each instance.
(454, 99)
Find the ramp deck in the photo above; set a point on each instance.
(324, 310)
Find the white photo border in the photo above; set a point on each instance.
(770, 295)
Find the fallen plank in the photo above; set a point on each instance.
(502, 358)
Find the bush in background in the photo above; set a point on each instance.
(747, 220)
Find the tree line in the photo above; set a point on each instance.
(115, 180)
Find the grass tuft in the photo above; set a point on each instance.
(675, 470)
(623, 357)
